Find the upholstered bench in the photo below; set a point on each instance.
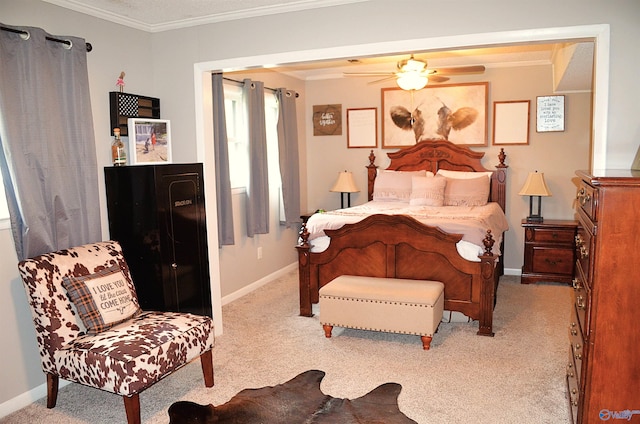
(382, 304)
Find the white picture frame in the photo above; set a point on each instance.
(144, 148)
(549, 113)
(511, 122)
(362, 127)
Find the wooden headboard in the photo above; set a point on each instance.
(431, 155)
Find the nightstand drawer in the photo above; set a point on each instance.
(552, 260)
(552, 235)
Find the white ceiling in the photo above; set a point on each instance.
(573, 74)
(161, 15)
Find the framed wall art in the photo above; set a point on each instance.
(454, 112)
(327, 120)
(149, 141)
(362, 127)
(511, 122)
(550, 113)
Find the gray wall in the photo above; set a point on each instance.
(162, 65)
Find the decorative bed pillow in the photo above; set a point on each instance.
(103, 299)
(463, 174)
(427, 191)
(467, 191)
(394, 185)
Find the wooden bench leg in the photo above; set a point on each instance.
(132, 407)
(327, 330)
(206, 360)
(426, 342)
(52, 390)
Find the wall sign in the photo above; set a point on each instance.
(550, 114)
(327, 120)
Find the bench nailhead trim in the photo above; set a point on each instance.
(386, 302)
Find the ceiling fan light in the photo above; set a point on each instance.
(413, 66)
(412, 81)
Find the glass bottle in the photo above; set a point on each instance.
(118, 152)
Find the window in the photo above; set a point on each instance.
(238, 142)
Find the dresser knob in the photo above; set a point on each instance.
(174, 265)
(583, 197)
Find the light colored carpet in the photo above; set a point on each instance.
(515, 377)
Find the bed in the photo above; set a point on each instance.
(397, 245)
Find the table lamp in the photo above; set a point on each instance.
(535, 186)
(345, 184)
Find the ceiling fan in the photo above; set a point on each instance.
(413, 74)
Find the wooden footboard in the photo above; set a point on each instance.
(401, 247)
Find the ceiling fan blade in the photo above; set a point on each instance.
(368, 74)
(382, 79)
(437, 78)
(476, 69)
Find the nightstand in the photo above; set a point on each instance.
(549, 251)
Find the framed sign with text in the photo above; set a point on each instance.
(550, 113)
(327, 120)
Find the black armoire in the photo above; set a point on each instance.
(157, 214)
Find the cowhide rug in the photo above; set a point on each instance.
(299, 400)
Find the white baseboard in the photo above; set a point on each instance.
(261, 282)
(27, 398)
(512, 271)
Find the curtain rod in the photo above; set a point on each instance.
(240, 82)
(57, 40)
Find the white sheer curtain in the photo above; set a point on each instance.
(48, 156)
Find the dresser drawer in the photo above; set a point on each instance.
(577, 344)
(584, 250)
(587, 198)
(581, 300)
(573, 391)
(553, 260)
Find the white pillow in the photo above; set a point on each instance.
(427, 191)
(394, 185)
(467, 191)
(463, 174)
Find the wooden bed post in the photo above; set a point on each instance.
(372, 171)
(304, 272)
(488, 292)
(499, 181)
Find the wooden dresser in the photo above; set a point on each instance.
(603, 371)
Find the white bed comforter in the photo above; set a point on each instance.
(470, 221)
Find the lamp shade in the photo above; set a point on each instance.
(535, 185)
(345, 183)
(412, 80)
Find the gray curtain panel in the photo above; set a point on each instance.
(288, 155)
(221, 151)
(258, 189)
(48, 147)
